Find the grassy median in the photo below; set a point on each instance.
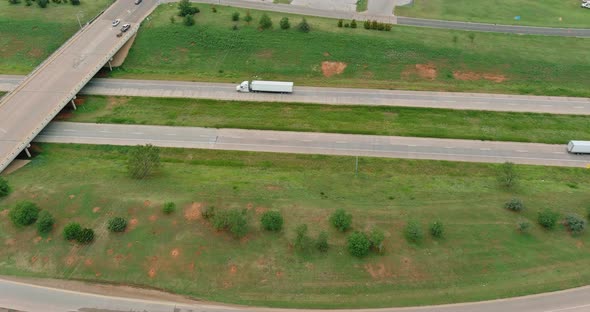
(552, 13)
(482, 257)
(406, 57)
(420, 122)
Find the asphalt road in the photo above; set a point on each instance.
(44, 92)
(32, 298)
(333, 96)
(313, 143)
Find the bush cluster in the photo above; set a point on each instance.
(4, 187)
(360, 244)
(353, 24)
(169, 208)
(234, 221)
(413, 232)
(74, 231)
(437, 229)
(45, 222)
(548, 218)
(24, 213)
(514, 205)
(117, 225)
(341, 220)
(575, 223)
(272, 221)
(208, 212)
(375, 25)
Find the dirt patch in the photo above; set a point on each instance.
(377, 271)
(472, 76)
(37, 239)
(70, 260)
(110, 252)
(326, 54)
(152, 273)
(4, 213)
(175, 252)
(72, 196)
(265, 54)
(88, 262)
(132, 224)
(279, 274)
(10, 242)
(330, 69)
(153, 218)
(35, 52)
(249, 206)
(147, 203)
(273, 187)
(129, 245)
(424, 71)
(193, 212)
(579, 244)
(34, 259)
(261, 210)
(233, 269)
(96, 209)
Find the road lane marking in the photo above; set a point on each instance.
(485, 149)
(137, 133)
(522, 151)
(69, 130)
(171, 134)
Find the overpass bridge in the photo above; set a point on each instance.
(26, 110)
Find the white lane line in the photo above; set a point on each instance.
(485, 149)
(69, 130)
(171, 134)
(137, 133)
(570, 308)
(341, 142)
(578, 107)
(305, 141)
(449, 147)
(411, 145)
(547, 105)
(203, 136)
(104, 131)
(522, 151)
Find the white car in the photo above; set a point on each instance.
(586, 5)
(116, 22)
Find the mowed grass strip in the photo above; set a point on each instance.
(482, 256)
(30, 34)
(405, 58)
(552, 13)
(419, 122)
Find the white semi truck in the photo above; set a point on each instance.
(265, 86)
(579, 147)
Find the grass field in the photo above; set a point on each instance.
(482, 257)
(554, 13)
(421, 122)
(30, 34)
(406, 58)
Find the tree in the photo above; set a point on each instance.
(302, 239)
(321, 242)
(358, 244)
(508, 176)
(189, 20)
(285, 23)
(413, 232)
(248, 17)
(45, 222)
(377, 236)
(353, 24)
(72, 230)
(265, 22)
(4, 187)
(340, 23)
(272, 221)
(523, 226)
(575, 223)
(186, 8)
(235, 16)
(341, 220)
(143, 161)
(437, 230)
(85, 236)
(117, 224)
(14, 1)
(24, 213)
(75, 2)
(42, 3)
(304, 26)
(471, 37)
(514, 205)
(234, 221)
(548, 218)
(169, 208)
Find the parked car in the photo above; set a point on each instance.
(586, 5)
(116, 22)
(137, 1)
(125, 27)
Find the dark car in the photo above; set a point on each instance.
(137, 1)
(125, 27)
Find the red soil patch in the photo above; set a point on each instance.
(70, 260)
(109, 252)
(152, 273)
(424, 71)
(233, 269)
(193, 212)
(88, 262)
(377, 271)
(249, 206)
(34, 259)
(579, 244)
(48, 239)
(266, 54)
(37, 239)
(129, 245)
(261, 210)
(227, 284)
(98, 274)
(153, 218)
(72, 196)
(273, 187)
(147, 203)
(175, 252)
(330, 69)
(96, 209)
(279, 274)
(133, 223)
(4, 213)
(471, 76)
(35, 52)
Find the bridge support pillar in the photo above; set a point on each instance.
(110, 65)
(74, 104)
(27, 151)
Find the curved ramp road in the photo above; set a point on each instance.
(333, 96)
(31, 298)
(313, 143)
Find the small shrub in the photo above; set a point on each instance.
(302, 239)
(353, 24)
(508, 176)
(234, 221)
(248, 17)
(45, 222)
(284, 23)
(340, 22)
(388, 27)
(341, 220)
(234, 27)
(548, 218)
(272, 221)
(86, 236)
(117, 224)
(322, 242)
(377, 236)
(523, 226)
(413, 232)
(575, 223)
(24, 213)
(189, 20)
(358, 244)
(75, 2)
(4, 187)
(208, 212)
(367, 24)
(374, 24)
(437, 229)
(304, 26)
(214, 9)
(169, 208)
(514, 205)
(347, 25)
(172, 19)
(471, 37)
(42, 3)
(72, 231)
(265, 22)
(235, 16)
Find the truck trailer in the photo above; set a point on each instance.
(578, 147)
(265, 86)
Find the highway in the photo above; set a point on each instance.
(33, 298)
(45, 91)
(333, 96)
(313, 143)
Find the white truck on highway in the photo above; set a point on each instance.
(579, 147)
(265, 86)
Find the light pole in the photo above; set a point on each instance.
(78, 15)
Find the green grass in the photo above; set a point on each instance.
(554, 13)
(482, 257)
(361, 5)
(421, 122)
(212, 51)
(31, 34)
